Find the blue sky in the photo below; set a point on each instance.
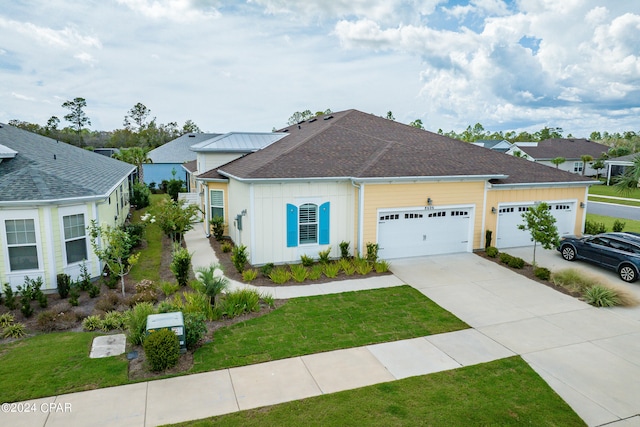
(248, 65)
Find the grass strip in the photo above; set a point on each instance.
(500, 393)
(629, 224)
(55, 363)
(327, 322)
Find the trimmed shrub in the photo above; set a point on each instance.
(162, 350)
(64, 284)
(516, 262)
(195, 327)
(267, 269)
(94, 290)
(135, 232)
(217, 223)
(9, 297)
(487, 239)
(592, 227)
(618, 225)
(306, 260)
(239, 257)
(345, 252)
(181, 265)
(491, 251)
(25, 307)
(140, 195)
(505, 258)
(372, 252)
(542, 273)
(84, 281)
(136, 321)
(601, 296)
(74, 295)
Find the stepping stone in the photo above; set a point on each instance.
(108, 345)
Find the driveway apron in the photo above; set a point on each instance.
(589, 356)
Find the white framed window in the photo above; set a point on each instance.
(216, 201)
(308, 223)
(75, 238)
(22, 244)
(577, 166)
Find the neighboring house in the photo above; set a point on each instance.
(170, 157)
(109, 152)
(49, 193)
(358, 178)
(570, 149)
(215, 152)
(618, 165)
(501, 146)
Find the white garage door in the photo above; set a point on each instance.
(509, 217)
(423, 232)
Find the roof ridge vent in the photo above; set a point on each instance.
(312, 120)
(191, 135)
(328, 118)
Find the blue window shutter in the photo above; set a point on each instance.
(292, 226)
(325, 211)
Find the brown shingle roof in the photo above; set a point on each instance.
(570, 149)
(359, 145)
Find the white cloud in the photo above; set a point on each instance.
(22, 97)
(175, 10)
(66, 38)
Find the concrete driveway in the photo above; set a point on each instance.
(589, 356)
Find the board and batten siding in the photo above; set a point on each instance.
(415, 195)
(269, 238)
(496, 196)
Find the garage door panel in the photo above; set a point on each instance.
(509, 217)
(424, 232)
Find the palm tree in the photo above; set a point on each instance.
(630, 179)
(136, 156)
(558, 161)
(585, 158)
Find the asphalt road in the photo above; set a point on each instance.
(616, 211)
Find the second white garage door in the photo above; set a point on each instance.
(510, 216)
(423, 232)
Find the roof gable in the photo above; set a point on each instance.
(45, 170)
(569, 148)
(179, 150)
(359, 145)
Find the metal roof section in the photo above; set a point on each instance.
(238, 142)
(48, 171)
(6, 152)
(178, 150)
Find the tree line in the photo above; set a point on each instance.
(139, 130)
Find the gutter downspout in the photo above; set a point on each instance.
(207, 210)
(360, 225)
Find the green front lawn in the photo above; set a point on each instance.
(327, 322)
(611, 190)
(630, 225)
(55, 363)
(499, 393)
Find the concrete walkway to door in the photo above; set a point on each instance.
(589, 356)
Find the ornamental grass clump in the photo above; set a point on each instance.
(280, 275)
(299, 272)
(240, 302)
(332, 269)
(136, 322)
(601, 296)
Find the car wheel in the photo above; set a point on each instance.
(628, 273)
(568, 252)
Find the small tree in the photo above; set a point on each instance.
(585, 159)
(176, 218)
(558, 161)
(113, 247)
(542, 226)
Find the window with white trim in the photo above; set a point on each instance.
(308, 223)
(577, 166)
(21, 243)
(216, 201)
(75, 238)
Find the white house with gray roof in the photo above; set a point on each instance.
(50, 191)
(171, 156)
